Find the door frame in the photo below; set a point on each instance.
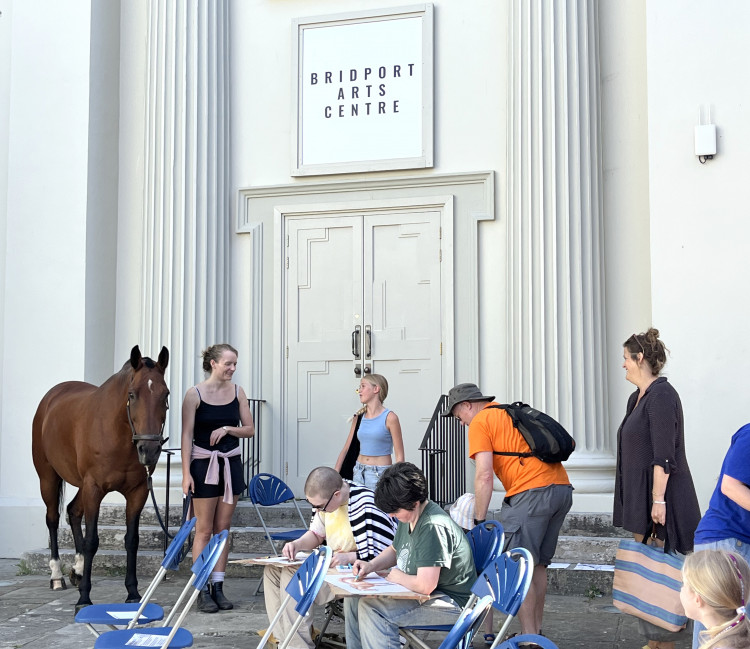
(442, 204)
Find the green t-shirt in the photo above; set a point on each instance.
(437, 541)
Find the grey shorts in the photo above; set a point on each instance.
(532, 519)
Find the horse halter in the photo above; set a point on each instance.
(146, 438)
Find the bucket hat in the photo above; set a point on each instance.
(463, 392)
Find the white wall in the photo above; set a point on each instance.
(43, 336)
(700, 233)
(625, 179)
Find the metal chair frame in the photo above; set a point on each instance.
(142, 612)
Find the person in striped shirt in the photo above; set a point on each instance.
(346, 518)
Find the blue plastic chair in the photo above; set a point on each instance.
(466, 626)
(303, 588)
(486, 540)
(266, 490)
(176, 637)
(143, 612)
(514, 642)
(506, 580)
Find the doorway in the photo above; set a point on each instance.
(363, 294)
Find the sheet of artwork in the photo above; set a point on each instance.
(372, 584)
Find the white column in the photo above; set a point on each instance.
(186, 198)
(557, 347)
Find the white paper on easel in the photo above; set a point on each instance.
(369, 585)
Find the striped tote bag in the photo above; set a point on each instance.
(647, 584)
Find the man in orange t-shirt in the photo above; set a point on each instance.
(538, 494)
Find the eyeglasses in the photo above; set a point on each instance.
(318, 508)
(455, 416)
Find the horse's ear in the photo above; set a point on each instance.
(163, 359)
(135, 357)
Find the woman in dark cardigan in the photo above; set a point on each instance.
(653, 485)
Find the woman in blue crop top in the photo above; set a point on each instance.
(378, 434)
(215, 414)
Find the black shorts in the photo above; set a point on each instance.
(199, 468)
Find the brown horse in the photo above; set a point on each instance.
(100, 439)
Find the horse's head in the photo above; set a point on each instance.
(148, 402)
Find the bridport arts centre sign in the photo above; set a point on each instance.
(363, 91)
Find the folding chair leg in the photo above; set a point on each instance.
(412, 640)
(276, 618)
(503, 630)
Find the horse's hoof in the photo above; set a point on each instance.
(80, 606)
(132, 600)
(58, 584)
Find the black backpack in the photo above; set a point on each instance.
(548, 440)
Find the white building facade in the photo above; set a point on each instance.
(521, 195)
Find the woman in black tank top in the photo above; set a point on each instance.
(215, 414)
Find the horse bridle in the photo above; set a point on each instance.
(145, 438)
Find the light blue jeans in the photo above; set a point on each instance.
(735, 546)
(373, 622)
(367, 474)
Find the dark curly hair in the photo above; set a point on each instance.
(401, 486)
(654, 350)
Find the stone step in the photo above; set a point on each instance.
(112, 563)
(112, 537)
(284, 515)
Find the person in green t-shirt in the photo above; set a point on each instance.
(431, 556)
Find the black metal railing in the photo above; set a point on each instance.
(443, 451)
(250, 458)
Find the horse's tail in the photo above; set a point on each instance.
(61, 499)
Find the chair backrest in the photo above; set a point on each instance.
(210, 556)
(174, 555)
(207, 558)
(268, 490)
(306, 582)
(466, 626)
(486, 540)
(506, 580)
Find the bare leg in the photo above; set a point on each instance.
(222, 520)
(205, 510)
(532, 610)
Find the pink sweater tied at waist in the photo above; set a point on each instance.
(212, 476)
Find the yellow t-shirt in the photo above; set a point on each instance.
(335, 528)
(492, 430)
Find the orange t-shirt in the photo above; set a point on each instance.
(492, 430)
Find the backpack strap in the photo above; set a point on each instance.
(508, 408)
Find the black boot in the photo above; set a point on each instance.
(206, 603)
(217, 594)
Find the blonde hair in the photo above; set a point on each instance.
(379, 381)
(721, 579)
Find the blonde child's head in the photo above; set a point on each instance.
(715, 589)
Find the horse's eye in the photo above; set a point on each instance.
(131, 395)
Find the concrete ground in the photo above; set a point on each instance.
(34, 617)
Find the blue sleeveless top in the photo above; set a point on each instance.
(208, 418)
(374, 437)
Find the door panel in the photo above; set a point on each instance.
(365, 284)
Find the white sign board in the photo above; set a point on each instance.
(363, 86)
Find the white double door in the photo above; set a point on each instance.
(362, 295)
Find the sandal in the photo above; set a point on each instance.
(489, 638)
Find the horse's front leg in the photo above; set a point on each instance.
(135, 499)
(91, 496)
